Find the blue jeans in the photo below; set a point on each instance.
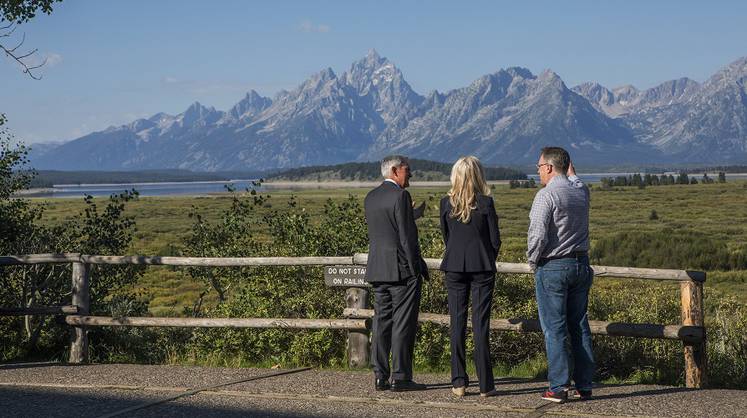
(562, 288)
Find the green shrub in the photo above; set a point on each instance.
(727, 343)
(94, 231)
(633, 358)
(104, 230)
(667, 249)
(276, 292)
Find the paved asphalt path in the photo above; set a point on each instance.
(53, 390)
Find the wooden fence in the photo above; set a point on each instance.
(357, 322)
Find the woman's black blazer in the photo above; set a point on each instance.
(473, 246)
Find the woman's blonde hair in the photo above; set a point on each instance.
(467, 182)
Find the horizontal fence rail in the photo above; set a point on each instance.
(614, 329)
(216, 261)
(40, 259)
(360, 259)
(357, 320)
(39, 310)
(354, 324)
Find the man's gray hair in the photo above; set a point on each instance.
(558, 158)
(392, 161)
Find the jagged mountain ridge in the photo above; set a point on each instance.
(327, 119)
(508, 116)
(628, 99)
(683, 120)
(370, 110)
(709, 126)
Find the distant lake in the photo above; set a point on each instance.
(202, 188)
(187, 188)
(145, 189)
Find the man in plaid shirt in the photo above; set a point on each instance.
(557, 252)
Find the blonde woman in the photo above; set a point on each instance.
(470, 230)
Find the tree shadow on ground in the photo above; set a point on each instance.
(39, 402)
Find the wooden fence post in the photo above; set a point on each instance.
(358, 344)
(695, 353)
(82, 299)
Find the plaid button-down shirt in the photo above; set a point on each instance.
(559, 220)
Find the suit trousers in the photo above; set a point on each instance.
(396, 307)
(459, 287)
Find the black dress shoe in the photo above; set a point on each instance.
(381, 384)
(406, 385)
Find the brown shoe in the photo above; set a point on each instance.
(459, 391)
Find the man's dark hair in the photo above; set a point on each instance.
(558, 158)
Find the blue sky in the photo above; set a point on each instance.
(114, 61)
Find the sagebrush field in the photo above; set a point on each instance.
(700, 227)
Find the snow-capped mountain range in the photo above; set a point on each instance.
(370, 111)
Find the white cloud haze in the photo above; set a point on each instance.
(308, 26)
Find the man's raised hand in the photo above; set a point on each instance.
(571, 169)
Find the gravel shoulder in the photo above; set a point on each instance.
(94, 390)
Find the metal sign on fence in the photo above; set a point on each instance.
(347, 276)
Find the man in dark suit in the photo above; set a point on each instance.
(395, 269)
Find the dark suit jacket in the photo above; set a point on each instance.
(473, 246)
(394, 251)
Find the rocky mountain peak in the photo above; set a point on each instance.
(140, 124)
(372, 70)
(381, 84)
(735, 72)
(738, 67)
(626, 93)
(628, 99)
(600, 97)
(519, 72)
(500, 79)
(505, 81)
(252, 97)
(251, 105)
(324, 76)
(195, 109)
(160, 117)
(373, 58)
(196, 113)
(549, 74)
(669, 92)
(321, 84)
(595, 92)
(551, 79)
